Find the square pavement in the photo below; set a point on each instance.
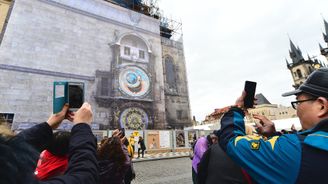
(159, 156)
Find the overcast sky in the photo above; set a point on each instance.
(228, 42)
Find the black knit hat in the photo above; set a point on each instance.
(316, 84)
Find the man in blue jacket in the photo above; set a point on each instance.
(19, 154)
(289, 158)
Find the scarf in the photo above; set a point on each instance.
(50, 165)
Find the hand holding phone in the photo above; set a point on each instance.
(122, 132)
(71, 93)
(250, 88)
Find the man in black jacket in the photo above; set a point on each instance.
(19, 153)
(217, 167)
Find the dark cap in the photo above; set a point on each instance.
(316, 84)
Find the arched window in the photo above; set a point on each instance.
(299, 73)
(134, 48)
(170, 72)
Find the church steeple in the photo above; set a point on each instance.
(325, 35)
(295, 53)
(324, 50)
(300, 68)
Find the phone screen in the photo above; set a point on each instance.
(76, 95)
(250, 88)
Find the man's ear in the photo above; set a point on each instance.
(323, 108)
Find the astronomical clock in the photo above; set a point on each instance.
(132, 106)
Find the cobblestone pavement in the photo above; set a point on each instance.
(166, 171)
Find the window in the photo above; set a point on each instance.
(127, 51)
(310, 69)
(299, 73)
(179, 114)
(134, 48)
(141, 54)
(104, 86)
(170, 73)
(7, 117)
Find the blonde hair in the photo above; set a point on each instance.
(5, 131)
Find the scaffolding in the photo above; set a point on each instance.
(169, 28)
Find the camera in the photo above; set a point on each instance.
(68, 92)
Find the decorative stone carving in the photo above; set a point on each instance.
(134, 17)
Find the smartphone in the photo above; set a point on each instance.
(122, 130)
(68, 92)
(250, 88)
(75, 95)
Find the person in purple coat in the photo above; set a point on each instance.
(199, 149)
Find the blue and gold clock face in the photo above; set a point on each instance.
(134, 82)
(134, 118)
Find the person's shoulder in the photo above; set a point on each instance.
(17, 160)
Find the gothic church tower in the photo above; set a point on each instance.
(300, 68)
(324, 51)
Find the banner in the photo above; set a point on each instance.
(153, 140)
(180, 138)
(164, 139)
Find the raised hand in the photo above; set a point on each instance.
(55, 119)
(265, 126)
(83, 115)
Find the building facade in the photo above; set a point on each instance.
(115, 50)
(262, 107)
(175, 84)
(300, 67)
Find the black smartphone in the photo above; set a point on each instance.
(122, 130)
(75, 95)
(250, 88)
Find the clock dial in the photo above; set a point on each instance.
(134, 81)
(134, 118)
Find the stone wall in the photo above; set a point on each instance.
(67, 40)
(176, 99)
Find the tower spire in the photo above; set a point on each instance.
(325, 37)
(295, 53)
(287, 63)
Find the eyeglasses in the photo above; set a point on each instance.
(296, 103)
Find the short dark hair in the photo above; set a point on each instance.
(59, 144)
(209, 140)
